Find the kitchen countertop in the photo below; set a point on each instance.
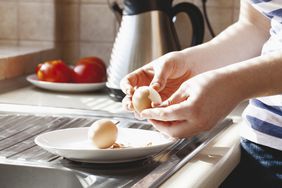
(207, 169)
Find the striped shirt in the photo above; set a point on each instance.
(263, 116)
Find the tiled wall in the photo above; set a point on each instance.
(81, 28)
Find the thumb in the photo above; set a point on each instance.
(177, 97)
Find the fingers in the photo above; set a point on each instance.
(137, 78)
(177, 97)
(161, 75)
(166, 124)
(176, 129)
(127, 103)
(126, 85)
(170, 128)
(170, 113)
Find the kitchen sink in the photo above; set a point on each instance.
(21, 176)
(23, 164)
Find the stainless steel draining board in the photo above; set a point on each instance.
(19, 126)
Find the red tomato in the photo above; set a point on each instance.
(89, 70)
(54, 71)
(95, 60)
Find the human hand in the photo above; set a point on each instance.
(196, 106)
(164, 74)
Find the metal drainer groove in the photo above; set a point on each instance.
(18, 130)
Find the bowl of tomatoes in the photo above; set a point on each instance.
(87, 74)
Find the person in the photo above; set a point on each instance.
(201, 85)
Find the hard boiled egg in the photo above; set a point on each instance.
(143, 97)
(103, 133)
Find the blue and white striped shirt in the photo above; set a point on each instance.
(264, 115)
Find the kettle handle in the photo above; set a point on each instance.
(196, 17)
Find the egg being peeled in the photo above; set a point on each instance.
(143, 98)
(103, 133)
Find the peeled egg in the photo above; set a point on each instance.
(103, 133)
(143, 97)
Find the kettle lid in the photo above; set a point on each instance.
(132, 7)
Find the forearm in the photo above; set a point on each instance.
(260, 76)
(242, 40)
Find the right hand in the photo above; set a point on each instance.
(198, 104)
(164, 74)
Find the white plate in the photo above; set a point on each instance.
(66, 87)
(73, 144)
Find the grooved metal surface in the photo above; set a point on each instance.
(18, 130)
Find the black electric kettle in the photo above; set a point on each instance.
(147, 32)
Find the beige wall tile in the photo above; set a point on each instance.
(8, 20)
(80, 28)
(8, 51)
(102, 50)
(37, 21)
(4, 42)
(97, 23)
(40, 1)
(217, 20)
(41, 44)
(71, 1)
(236, 3)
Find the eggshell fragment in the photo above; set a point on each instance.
(103, 133)
(143, 98)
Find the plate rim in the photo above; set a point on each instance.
(32, 78)
(170, 141)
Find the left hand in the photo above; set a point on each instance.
(165, 74)
(196, 106)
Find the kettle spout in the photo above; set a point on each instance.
(117, 11)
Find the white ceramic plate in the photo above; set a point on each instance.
(65, 87)
(73, 144)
